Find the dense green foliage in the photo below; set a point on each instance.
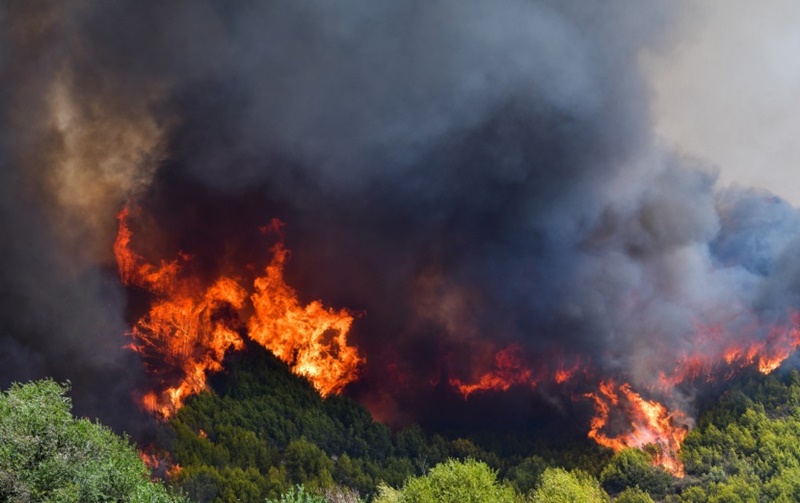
(264, 435)
(453, 481)
(262, 431)
(747, 448)
(632, 468)
(562, 486)
(633, 495)
(49, 456)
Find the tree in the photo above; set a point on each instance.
(453, 481)
(632, 468)
(48, 455)
(560, 486)
(633, 495)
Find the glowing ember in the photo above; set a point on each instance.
(159, 463)
(650, 424)
(718, 355)
(189, 327)
(509, 372)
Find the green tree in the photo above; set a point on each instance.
(308, 464)
(632, 468)
(453, 481)
(527, 474)
(633, 495)
(560, 486)
(48, 455)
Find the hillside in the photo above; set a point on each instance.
(261, 430)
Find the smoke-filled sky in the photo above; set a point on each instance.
(467, 175)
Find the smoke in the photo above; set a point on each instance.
(465, 174)
(734, 66)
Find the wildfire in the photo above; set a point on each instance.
(509, 371)
(159, 463)
(189, 327)
(650, 423)
(716, 354)
(311, 339)
(719, 355)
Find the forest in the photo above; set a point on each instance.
(262, 434)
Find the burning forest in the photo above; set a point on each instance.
(427, 208)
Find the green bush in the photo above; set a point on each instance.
(453, 481)
(632, 468)
(633, 495)
(48, 455)
(298, 494)
(560, 486)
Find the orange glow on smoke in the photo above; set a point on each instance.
(189, 327)
(650, 423)
(716, 355)
(509, 372)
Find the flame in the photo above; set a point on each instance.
(311, 339)
(189, 327)
(650, 424)
(160, 463)
(716, 354)
(509, 371)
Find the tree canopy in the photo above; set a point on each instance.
(47, 455)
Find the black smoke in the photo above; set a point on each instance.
(466, 174)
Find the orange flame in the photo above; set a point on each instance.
(160, 464)
(311, 339)
(189, 328)
(509, 371)
(717, 354)
(650, 424)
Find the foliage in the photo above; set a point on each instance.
(633, 495)
(453, 481)
(47, 455)
(298, 494)
(562, 486)
(526, 475)
(633, 468)
(746, 447)
(262, 430)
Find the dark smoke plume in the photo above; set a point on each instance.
(467, 174)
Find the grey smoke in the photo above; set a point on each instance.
(469, 174)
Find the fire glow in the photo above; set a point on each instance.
(641, 421)
(189, 327)
(191, 324)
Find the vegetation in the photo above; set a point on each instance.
(47, 455)
(562, 486)
(453, 481)
(263, 432)
(264, 435)
(746, 448)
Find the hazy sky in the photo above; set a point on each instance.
(729, 92)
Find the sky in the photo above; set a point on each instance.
(728, 91)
